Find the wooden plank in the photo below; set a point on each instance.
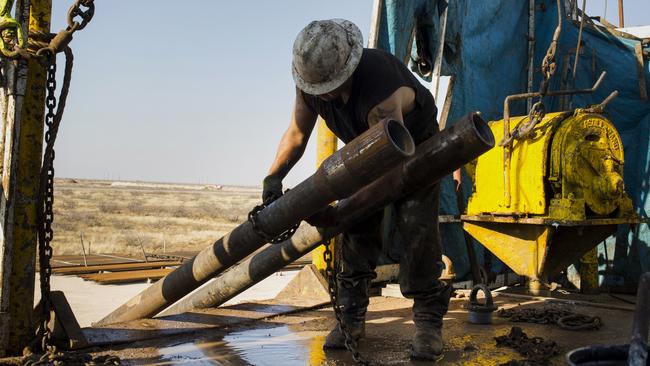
(129, 276)
(92, 259)
(446, 107)
(640, 68)
(118, 267)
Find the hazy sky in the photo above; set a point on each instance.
(197, 91)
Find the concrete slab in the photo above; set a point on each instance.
(91, 301)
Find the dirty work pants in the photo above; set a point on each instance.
(416, 225)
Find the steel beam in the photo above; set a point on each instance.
(23, 147)
(357, 164)
(435, 158)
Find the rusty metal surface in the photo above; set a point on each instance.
(91, 259)
(451, 148)
(355, 165)
(65, 327)
(25, 165)
(126, 277)
(74, 270)
(552, 222)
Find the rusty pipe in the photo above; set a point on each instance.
(358, 163)
(435, 158)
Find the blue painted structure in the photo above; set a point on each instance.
(486, 48)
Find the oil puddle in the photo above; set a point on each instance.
(260, 346)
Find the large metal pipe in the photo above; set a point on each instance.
(358, 163)
(435, 158)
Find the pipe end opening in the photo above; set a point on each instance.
(400, 137)
(483, 131)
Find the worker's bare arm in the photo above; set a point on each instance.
(398, 104)
(293, 142)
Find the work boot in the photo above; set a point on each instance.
(353, 302)
(427, 343)
(336, 340)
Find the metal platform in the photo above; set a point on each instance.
(271, 333)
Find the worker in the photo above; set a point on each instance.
(353, 88)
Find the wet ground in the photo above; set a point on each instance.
(297, 338)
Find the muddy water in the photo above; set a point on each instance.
(261, 346)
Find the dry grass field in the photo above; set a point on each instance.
(116, 217)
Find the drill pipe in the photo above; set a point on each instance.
(464, 141)
(360, 162)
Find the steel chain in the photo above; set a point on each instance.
(85, 15)
(537, 350)
(332, 289)
(46, 204)
(285, 235)
(60, 358)
(45, 211)
(52, 43)
(562, 318)
(537, 111)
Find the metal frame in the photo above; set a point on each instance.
(23, 140)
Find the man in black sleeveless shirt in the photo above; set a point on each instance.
(353, 88)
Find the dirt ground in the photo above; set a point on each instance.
(119, 217)
(297, 339)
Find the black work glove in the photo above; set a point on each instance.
(323, 218)
(271, 189)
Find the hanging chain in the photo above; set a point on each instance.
(45, 47)
(549, 64)
(46, 204)
(332, 288)
(40, 44)
(54, 113)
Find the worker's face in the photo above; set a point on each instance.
(328, 97)
(336, 93)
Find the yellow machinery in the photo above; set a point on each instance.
(542, 201)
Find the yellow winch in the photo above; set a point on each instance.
(534, 197)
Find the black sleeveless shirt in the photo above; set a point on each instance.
(378, 75)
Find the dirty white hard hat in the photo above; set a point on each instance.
(325, 54)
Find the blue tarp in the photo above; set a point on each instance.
(486, 48)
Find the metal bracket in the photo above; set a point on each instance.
(507, 142)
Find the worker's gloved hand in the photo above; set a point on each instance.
(271, 189)
(323, 218)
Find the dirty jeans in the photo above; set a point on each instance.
(416, 224)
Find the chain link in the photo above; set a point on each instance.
(60, 358)
(49, 46)
(537, 350)
(46, 203)
(54, 113)
(537, 110)
(85, 15)
(252, 218)
(562, 318)
(332, 288)
(49, 43)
